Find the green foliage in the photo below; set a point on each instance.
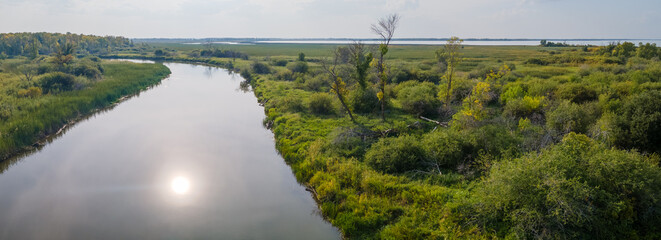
(512, 92)
(32, 44)
(625, 50)
(321, 103)
(396, 155)
(298, 67)
(31, 92)
(363, 100)
(260, 68)
(577, 189)
(159, 53)
(301, 57)
(87, 68)
(525, 107)
(349, 142)
(576, 92)
(571, 117)
(419, 98)
(639, 123)
(446, 148)
(56, 82)
(290, 103)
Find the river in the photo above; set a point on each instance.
(187, 159)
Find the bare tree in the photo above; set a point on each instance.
(451, 56)
(337, 84)
(385, 28)
(28, 72)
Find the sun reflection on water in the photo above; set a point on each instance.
(180, 185)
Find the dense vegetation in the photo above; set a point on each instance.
(40, 94)
(528, 142)
(428, 142)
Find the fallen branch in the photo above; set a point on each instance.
(442, 124)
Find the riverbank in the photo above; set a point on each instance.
(27, 127)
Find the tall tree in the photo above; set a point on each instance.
(361, 59)
(385, 28)
(451, 56)
(337, 84)
(64, 54)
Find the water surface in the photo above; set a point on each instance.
(188, 159)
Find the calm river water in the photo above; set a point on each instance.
(188, 159)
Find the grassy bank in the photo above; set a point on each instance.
(28, 119)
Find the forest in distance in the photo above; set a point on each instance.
(553, 141)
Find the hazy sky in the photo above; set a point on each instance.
(336, 18)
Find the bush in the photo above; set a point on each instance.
(56, 82)
(290, 103)
(447, 148)
(639, 123)
(575, 190)
(284, 74)
(260, 68)
(525, 107)
(461, 88)
(88, 70)
(419, 98)
(317, 84)
(511, 92)
(396, 155)
(350, 142)
(571, 117)
(576, 92)
(536, 61)
(321, 103)
(280, 62)
(363, 100)
(298, 67)
(31, 92)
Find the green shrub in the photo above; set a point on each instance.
(447, 148)
(260, 68)
(524, 107)
(576, 92)
(321, 103)
(512, 91)
(363, 100)
(536, 61)
(639, 123)
(87, 69)
(396, 155)
(57, 82)
(571, 117)
(575, 190)
(290, 103)
(419, 99)
(350, 142)
(280, 62)
(298, 67)
(31, 92)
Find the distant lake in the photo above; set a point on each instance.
(596, 42)
(477, 42)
